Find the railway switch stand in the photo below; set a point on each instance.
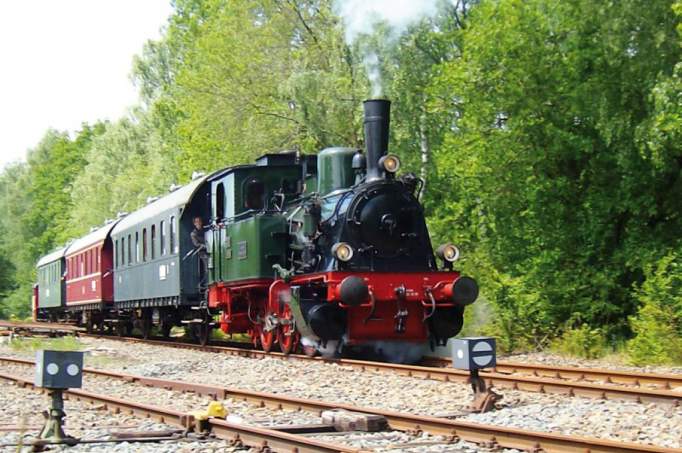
(57, 371)
(473, 354)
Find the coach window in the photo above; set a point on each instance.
(172, 235)
(82, 264)
(162, 237)
(144, 244)
(254, 194)
(137, 246)
(152, 248)
(130, 249)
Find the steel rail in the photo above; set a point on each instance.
(236, 433)
(488, 435)
(39, 327)
(500, 380)
(632, 378)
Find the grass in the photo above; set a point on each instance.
(66, 343)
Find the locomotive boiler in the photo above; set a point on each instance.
(328, 252)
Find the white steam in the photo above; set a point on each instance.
(371, 62)
(361, 17)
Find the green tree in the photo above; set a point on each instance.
(658, 323)
(553, 174)
(126, 164)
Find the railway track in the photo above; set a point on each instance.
(504, 377)
(253, 436)
(41, 328)
(631, 378)
(426, 370)
(453, 430)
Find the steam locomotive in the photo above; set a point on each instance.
(329, 253)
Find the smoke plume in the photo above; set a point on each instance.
(361, 17)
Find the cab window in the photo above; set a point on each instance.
(254, 194)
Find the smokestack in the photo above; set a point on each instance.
(377, 119)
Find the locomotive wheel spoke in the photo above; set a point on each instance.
(287, 336)
(267, 338)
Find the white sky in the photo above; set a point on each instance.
(65, 62)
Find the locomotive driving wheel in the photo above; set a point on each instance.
(267, 332)
(287, 335)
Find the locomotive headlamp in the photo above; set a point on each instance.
(390, 163)
(448, 252)
(342, 251)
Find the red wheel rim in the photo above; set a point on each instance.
(266, 340)
(287, 337)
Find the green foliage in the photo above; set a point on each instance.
(36, 200)
(658, 323)
(548, 134)
(131, 161)
(561, 161)
(582, 341)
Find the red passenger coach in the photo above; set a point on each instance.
(89, 263)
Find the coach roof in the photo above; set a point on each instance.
(52, 256)
(177, 198)
(94, 237)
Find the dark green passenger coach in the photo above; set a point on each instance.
(153, 264)
(51, 284)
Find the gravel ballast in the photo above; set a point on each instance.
(616, 420)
